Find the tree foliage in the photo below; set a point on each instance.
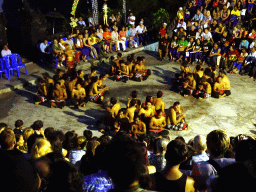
(161, 16)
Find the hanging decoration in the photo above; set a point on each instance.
(105, 11)
(73, 23)
(74, 6)
(124, 10)
(95, 11)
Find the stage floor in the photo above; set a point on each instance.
(236, 114)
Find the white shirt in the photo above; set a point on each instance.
(140, 29)
(82, 23)
(252, 45)
(6, 52)
(184, 25)
(70, 42)
(131, 18)
(114, 36)
(207, 36)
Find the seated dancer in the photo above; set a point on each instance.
(71, 86)
(226, 82)
(158, 122)
(100, 81)
(41, 94)
(189, 85)
(130, 63)
(115, 65)
(149, 99)
(204, 89)
(208, 75)
(198, 73)
(146, 113)
(131, 110)
(95, 94)
(121, 122)
(112, 110)
(59, 96)
(49, 83)
(158, 102)
(123, 72)
(115, 107)
(140, 71)
(78, 96)
(134, 95)
(175, 118)
(218, 89)
(138, 127)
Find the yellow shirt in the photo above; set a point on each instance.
(93, 40)
(237, 13)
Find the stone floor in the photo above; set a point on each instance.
(236, 114)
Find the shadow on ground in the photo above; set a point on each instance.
(90, 117)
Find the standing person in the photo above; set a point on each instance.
(163, 30)
(119, 19)
(171, 178)
(44, 53)
(131, 19)
(163, 47)
(112, 19)
(176, 119)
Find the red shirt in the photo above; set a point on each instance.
(162, 32)
(107, 35)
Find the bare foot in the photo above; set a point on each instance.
(200, 98)
(187, 128)
(185, 95)
(37, 103)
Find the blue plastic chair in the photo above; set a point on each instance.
(16, 62)
(64, 38)
(9, 67)
(3, 70)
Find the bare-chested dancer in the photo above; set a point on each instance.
(123, 72)
(78, 95)
(131, 111)
(95, 94)
(158, 102)
(59, 96)
(158, 122)
(189, 86)
(204, 89)
(140, 71)
(226, 82)
(138, 127)
(41, 94)
(218, 89)
(176, 119)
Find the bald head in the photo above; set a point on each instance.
(200, 143)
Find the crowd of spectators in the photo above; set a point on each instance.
(46, 159)
(220, 33)
(95, 41)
